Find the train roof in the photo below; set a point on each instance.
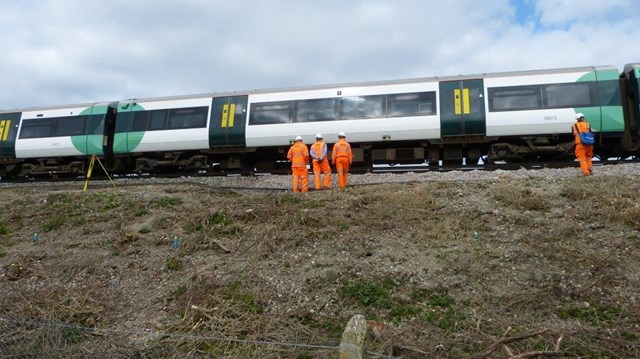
(630, 67)
(383, 83)
(57, 107)
(337, 85)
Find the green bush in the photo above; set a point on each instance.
(174, 264)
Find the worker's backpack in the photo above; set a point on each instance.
(586, 138)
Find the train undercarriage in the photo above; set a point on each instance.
(471, 152)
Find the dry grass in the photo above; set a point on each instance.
(552, 258)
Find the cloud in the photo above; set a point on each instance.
(565, 12)
(69, 51)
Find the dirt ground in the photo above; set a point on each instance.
(487, 268)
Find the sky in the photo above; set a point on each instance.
(57, 52)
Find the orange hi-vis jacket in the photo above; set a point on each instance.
(342, 149)
(319, 151)
(298, 155)
(580, 126)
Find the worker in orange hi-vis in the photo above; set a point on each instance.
(320, 163)
(299, 156)
(584, 149)
(342, 157)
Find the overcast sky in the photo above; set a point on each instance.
(76, 51)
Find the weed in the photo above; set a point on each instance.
(322, 265)
(71, 335)
(365, 293)
(4, 230)
(176, 293)
(3, 254)
(332, 327)
(144, 230)
(440, 300)
(243, 298)
(56, 198)
(628, 336)
(165, 202)
(288, 198)
(597, 315)
(174, 264)
(343, 226)
(193, 227)
(447, 319)
(140, 212)
(438, 297)
(402, 310)
(521, 198)
(220, 218)
(330, 277)
(53, 224)
(112, 202)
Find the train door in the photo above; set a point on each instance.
(8, 133)
(228, 120)
(98, 136)
(462, 110)
(109, 128)
(125, 139)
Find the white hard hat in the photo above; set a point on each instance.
(341, 134)
(319, 135)
(298, 138)
(579, 116)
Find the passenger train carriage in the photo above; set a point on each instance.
(511, 117)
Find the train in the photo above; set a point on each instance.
(506, 117)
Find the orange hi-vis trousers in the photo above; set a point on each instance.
(322, 167)
(584, 154)
(342, 167)
(300, 178)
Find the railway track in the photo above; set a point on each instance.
(133, 178)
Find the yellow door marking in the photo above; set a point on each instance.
(456, 99)
(225, 115)
(5, 128)
(466, 102)
(232, 114)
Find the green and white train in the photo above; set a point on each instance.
(511, 117)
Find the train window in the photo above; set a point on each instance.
(158, 120)
(316, 110)
(194, 117)
(270, 113)
(609, 93)
(37, 128)
(123, 120)
(411, 104)
(577, 94)
(95, 125)
(361, 107)
(515, 98)
(140, 121)
(70, 126)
